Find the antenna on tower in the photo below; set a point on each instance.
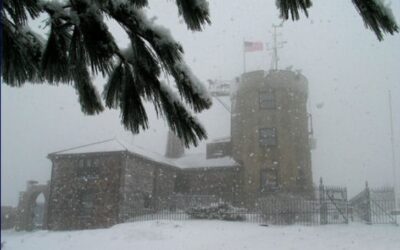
(276, 45)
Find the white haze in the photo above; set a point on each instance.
(349, 75)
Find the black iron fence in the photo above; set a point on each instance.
(374, 206)
(328, 206)
(333, 204)
(287, 211)
(268, 211)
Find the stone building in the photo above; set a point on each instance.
(266, 152)
(101, 184)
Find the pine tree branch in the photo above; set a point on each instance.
(169, 52)
(20, 9)
(88, 96)
(167, 105)
(180, 121)
(113, 89)
(377, 17)
(21, 55)
(123, 91)
(55, 62)
(196, 13)
(291, 8)
(99, 42)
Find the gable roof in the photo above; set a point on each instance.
(113, 145)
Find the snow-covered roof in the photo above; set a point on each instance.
(200, 161)
(111, 145)
(114, 145)
(197, 160)
(154, 156)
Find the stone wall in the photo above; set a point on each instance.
(147, 185)
(164, 186)
(84, 191)
(136, 185)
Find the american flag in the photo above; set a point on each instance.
(253, 46)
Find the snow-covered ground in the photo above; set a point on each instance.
(208, 235)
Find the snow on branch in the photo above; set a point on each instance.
(22, 52)
(190, 87)
(180, 121)
(168, 52)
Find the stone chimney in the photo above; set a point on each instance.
(175, 147)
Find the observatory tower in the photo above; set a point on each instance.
(270, 134)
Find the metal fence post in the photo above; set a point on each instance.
(368, 204)
(346, 205)
(322, 203)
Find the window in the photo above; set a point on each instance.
(301, 177)
(88, 169)
(268, 179)
(267, 136)
(266, 100)
(87, 203)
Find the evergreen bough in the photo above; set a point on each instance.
(376, 15)
(80, 44)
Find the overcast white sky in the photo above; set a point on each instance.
(349, 71)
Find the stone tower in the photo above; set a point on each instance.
(270, 135)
